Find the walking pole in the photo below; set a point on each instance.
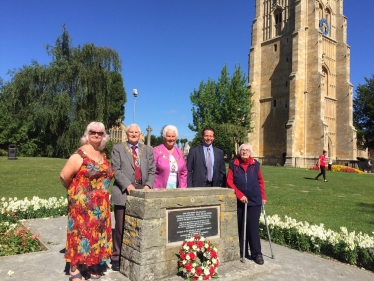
(267, 227)
(244, 232)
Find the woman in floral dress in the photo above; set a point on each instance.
(86, 176)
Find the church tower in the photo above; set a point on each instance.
(299, 72)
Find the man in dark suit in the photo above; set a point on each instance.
(134, 168)
(203, 156)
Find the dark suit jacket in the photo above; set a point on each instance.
(124, 171)
(197, 171)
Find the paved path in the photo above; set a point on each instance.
(288, 264)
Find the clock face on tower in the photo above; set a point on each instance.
(324, 26)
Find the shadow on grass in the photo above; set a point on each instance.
(310, 178)
(366, 205)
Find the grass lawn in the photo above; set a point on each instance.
(345, 200)
(28, 177)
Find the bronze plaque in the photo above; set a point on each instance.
(184, 223)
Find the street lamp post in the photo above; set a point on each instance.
(135, 93)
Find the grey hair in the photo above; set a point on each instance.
(170, 128)
(96, 125)
(133, 125)
(246, 144)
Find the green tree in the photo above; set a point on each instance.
(155, 141)
(363, 113)
(206, 106)
(26, 114)
(117, 100)
(183, 143)
(47, 107)
(224, 105)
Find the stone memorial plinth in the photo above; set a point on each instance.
(157, 221)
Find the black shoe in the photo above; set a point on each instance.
(259, 259)
(115, 265)
(316, 179)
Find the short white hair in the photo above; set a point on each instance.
(133, 125)
(249, 146)
(169, 128)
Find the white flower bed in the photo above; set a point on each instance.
(351, 239)
(356, 249)
(13, 205)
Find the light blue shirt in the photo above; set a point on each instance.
(211, 156)
(131, 145)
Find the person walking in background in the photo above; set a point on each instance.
(245, 177)
(171, 169)
(86, 176)
(206, 164)
(329, 165)
(134, 168)
(321, 164)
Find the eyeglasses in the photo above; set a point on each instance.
(98, 133)
(244, 150)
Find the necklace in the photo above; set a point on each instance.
(100, 161)
(136, 156)
(171, 161)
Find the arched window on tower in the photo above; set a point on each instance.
(325, 78)
(278, 22)
(328, 19)
(320, 11)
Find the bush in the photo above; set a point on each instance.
(16, 239)
(13, 210)
(343, 246)
(108, 149)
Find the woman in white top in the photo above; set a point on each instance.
(171, 169)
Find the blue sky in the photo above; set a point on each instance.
(167, 47)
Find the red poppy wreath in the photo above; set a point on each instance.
(198, 259)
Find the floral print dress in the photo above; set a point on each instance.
(89, 231)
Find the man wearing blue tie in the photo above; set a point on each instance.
(206, 164)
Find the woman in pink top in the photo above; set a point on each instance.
(322, 165)
(171, 169)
